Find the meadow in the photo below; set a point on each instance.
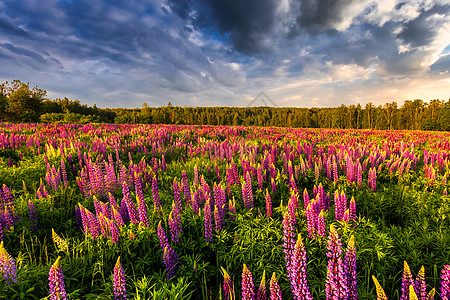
(222, 212)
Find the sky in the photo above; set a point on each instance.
(301, 53)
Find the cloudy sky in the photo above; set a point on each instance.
(303, 53)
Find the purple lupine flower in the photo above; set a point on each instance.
(346, 216)
(311, 220)
(445, 282)
(407, 280)
(305, 198)
(217, 219)
(288, 240)
(420, 286)
(268, 204)
(133, 214)
(177, 195)
(173, 228)
(275, 291)
(7, 266)
(261, 294)
(208, 222)
(321, 224)
(249, 191)
(33, 216)
(117, 216)
(162, 236)
(335, 286)
(228, 289)
(120, 290)
(155, 193)
(170, 260)
(186, 189)
(259, 176)
(142, 208)
(56, 281)
(273, 185)
(248, 292)
(337, 206)
(114, 231)
(194, 203)
(343, 202)
(298, 272)
(78, 218)
(64, 173)
(352, 209)
(291, 208)
(350, 270)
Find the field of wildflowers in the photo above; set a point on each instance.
(211, 212)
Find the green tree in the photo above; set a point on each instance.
(445, 116)
(22, 103)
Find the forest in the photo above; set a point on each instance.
(20, 103)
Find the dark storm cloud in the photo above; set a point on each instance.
(422, 30)
(442, 65)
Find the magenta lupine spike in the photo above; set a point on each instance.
(228, 288)
(321, 231)
(335, 171)
(173, 228)
(305, 198)
(337, 206)
(8, 269)
(261, 294)
(268, 204)
(275, 291)
(117, 216)
(352, 209)
(33, 216)
(64, 173)
(445, 283)
(316, 171)
(335, 286)
(56, 281)
(217, 219)
(186, 189)
(208, 222)
(248, 289)
(273, 185)
(298, 272)
(350, 270)
(177, 195)
(142, 208)
(407, 280)
(343, 201)
(155, 193)
(259, 176)
(162, 236)
(120, 290)
(288, 240)
(194, 203)
(114, 231)
(420, 286)
(346, 216)
(311, 220)
(196, 176)
(132, 213)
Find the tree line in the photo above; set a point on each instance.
(20, 103)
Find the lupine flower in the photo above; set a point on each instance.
(336, 285)
(114, 231)
(350, 270)
(208, 222)
(412, 293)
(311, 220)
(186, 189)
(298, 272)
(430, 295)
(217, 219)
(33, 216)
(228, 289)
(56, 282)
(352, 209)
(407, 280)
(268, 204)
(445, 282)
(321, 224)
(232, 208)
(381, 295)
(261, 294)
(61, 243)
(155, 193)
(420, 285)
(171, 261)
(288, 238)
(142, 208)
(177, 195)
(7, 266)
(273, 185)
(120, 290)
(275, 291)
(248, 292)
(162, 236)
